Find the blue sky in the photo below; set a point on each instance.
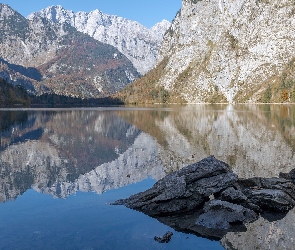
(146, 12)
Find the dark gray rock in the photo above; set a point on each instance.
(288, 176)
(269, 194)
(183, 191)
(272, 200)
(223, 215)
(232, 195)
(165, 238)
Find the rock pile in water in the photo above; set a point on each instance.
(208, 199)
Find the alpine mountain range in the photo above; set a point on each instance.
(229, 51)
(47, 52)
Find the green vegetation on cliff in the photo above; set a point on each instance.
(11, 95)
(147, 89)
(281, 89)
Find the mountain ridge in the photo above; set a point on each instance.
(138, 43)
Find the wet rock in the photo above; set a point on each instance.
(288, 176)
(232, 195)
(165, 238)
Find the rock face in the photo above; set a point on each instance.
(48, 57)
(208, 199)
(138, 43)
(230, 51)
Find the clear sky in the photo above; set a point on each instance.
(146, 12)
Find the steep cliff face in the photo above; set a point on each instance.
(138, 43)
(48, 57)
(231, 51)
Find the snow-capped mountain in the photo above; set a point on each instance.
(138, 43)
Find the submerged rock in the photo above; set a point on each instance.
(165, 238)
(222, 215)
(208, 199)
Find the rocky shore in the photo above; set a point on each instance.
(208, 199)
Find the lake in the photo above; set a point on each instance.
(61, 169)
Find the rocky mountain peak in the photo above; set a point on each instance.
(163, 25)
(12, 23)
(58, 13)
(8, 14)
(138, 43)
(55, 13)
(6, 11)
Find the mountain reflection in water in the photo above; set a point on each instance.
(76, 151)
(60, 152)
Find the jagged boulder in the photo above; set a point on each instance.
(185, 190)
(288, 176)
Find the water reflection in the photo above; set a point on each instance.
(256, 140)
(263, 234)
(60, 152)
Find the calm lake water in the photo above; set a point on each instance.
(60, 169)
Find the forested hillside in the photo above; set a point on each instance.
(13, 95)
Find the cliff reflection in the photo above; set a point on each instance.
(263, 234)
(255, 140)
(60, 152)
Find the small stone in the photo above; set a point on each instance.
(165, 238)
